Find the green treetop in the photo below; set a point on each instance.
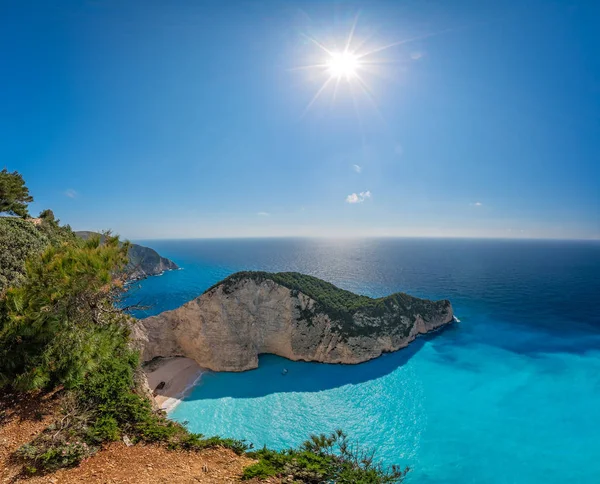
(14, 195)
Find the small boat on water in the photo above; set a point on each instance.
(284, 372)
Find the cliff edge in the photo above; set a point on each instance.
(288, 314)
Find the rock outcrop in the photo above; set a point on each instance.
(143, 261)
(288, 314)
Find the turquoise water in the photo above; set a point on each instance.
(511, 394)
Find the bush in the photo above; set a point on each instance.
(20, 239)
(106, 429)
(54, 457)
(323, 458)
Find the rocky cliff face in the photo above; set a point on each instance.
(227, 327)
(143, 261)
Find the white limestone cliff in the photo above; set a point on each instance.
(226, 328)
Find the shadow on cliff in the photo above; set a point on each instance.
(278, 375)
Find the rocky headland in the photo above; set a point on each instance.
(143, 261)
(292, 315)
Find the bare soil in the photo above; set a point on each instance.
(23, 416)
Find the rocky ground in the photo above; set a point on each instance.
(23, 417)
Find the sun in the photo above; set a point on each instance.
(343, 65)
(350, 62)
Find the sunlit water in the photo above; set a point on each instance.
(511, 394)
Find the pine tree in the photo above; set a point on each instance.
(61, 322)
(14, 195)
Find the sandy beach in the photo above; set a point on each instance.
(171, 378)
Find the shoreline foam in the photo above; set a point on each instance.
(179, 375)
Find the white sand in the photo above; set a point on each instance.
(179, 374)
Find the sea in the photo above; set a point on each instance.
(510, 394)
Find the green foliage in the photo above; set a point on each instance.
(20, 239)
(323, 459)
(61, 327)
(47, 215)
(105, 429)
(61, 323)
(105, 407)
(14, 195)
(63, 454)
(197, 442)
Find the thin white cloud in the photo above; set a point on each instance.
(357, 168)
(358, 198)
(416, 55)
(263, 214)
(71, 193)
(477, 204)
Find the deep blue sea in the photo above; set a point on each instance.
(511, 394)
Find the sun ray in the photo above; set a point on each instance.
(351, 35)
(369, 94)
(316, 96)
(402, 42)
(317, 43)
(335, 89)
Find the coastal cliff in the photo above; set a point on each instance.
(292, 315)
(143, 261)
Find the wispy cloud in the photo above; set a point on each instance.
(416, 55)
(263, 214)
(357, 168)
(358, 198)
(71, 193)
(477, 204)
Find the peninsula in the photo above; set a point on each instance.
(288, 314)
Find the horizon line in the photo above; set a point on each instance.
(359, 237)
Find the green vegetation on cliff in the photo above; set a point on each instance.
(324, 458)
(21, 238)
(62, 328)
(341, 305)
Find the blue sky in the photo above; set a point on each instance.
(189, 118)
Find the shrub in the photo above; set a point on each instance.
(55, 456)
(105, 429)
(324, 458)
